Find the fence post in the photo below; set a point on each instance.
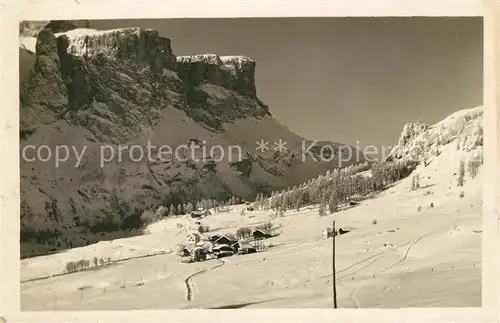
(333, 268)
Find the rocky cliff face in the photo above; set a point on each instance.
(32, 28)
(92, 95)
(235, 73)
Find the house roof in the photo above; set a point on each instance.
(225, 238)
(261, 231)
(230, 236)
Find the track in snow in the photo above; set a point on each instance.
(189, 284)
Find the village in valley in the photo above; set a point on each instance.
(200, 245)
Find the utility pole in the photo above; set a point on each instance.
(333, 268)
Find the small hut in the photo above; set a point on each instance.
(196, 214)
(328, 233)
(245, 248)
(342, 231)
(226, 239)
(258, 234)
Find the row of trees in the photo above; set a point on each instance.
(338, 187)
(81, 264)
(162, 211)
(341, 186)
(204, 204)
(472, 168)
(187, 196)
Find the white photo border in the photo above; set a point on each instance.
(12, 14)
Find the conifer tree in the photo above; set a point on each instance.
(297, 201)
(322, 207)
(188, 207)
(461, 173)
(332, 203)
(286, 201)
(472, 167)
(262, 201)
(279, 200)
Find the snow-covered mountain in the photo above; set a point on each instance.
(421, 142)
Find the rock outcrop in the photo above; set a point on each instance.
(421, 142)
(32, 28)
(235, 73)
(95, 95)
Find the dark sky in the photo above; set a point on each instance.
(345, 79)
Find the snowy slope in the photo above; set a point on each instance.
(405, 249)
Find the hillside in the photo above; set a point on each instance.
(91, 93)
(408, 245)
